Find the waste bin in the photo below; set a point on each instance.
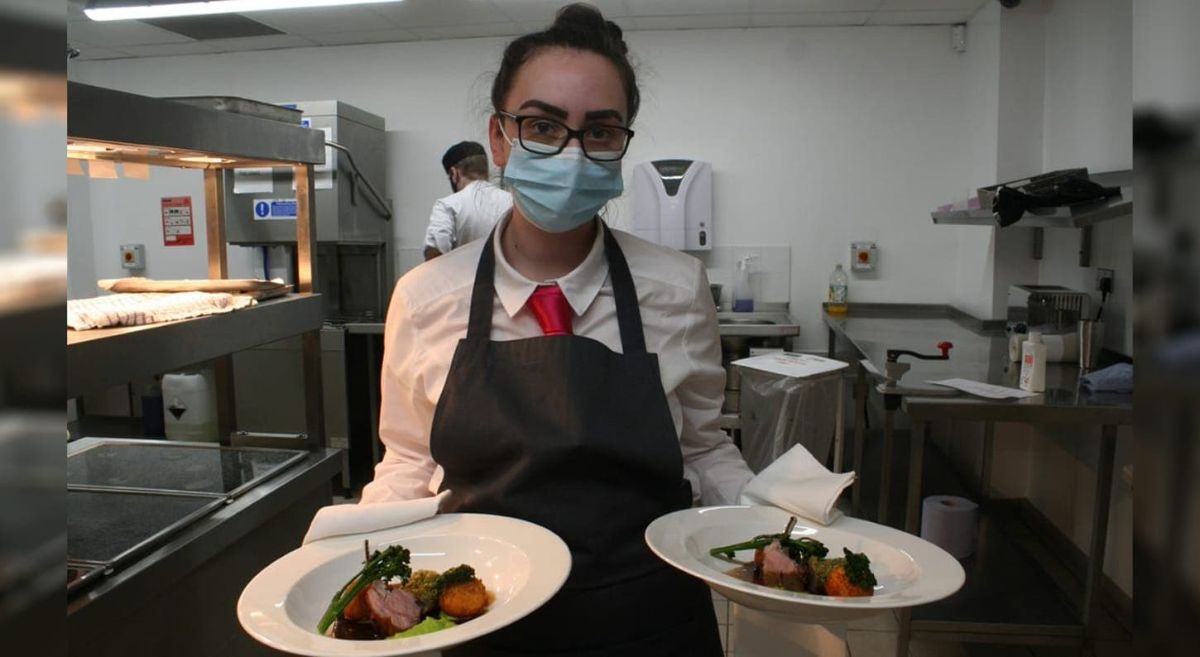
(779, 411)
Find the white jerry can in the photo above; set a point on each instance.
(190, 406)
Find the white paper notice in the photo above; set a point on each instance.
(984, 389)
(253, 181)
(797, 366)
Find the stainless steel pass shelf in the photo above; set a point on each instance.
(173, 133)
(1076, 216)
(106, 357)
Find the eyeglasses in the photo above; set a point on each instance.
(543, 136)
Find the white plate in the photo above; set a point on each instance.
(910, 571)
(521, 563)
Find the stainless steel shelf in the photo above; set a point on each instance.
(164, 130)
(1078, 216)
(105, 357)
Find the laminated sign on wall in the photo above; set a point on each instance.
(177, 221)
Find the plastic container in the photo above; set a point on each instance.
(1061, 347)
(190, 406)
(839, 291)
(152, 410)
(1033, 363)
(743, 291)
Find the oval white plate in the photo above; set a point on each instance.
(910, 571)
(523, 564)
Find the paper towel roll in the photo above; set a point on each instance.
(951, 523)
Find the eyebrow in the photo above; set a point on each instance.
(562, 113)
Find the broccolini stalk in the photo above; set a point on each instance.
(799, 549)
(392, 562)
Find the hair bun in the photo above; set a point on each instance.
(617, 35)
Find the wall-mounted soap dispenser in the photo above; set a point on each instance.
(672, 203)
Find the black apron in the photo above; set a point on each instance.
(565, 433)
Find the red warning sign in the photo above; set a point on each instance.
(177, 221)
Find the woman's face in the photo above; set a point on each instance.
(577, 87)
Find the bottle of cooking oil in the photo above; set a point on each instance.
(838, 291)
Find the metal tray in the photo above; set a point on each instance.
(160, 466)
(243, 106)
(109, 527)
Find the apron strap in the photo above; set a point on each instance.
(479, 324)
(629, 316)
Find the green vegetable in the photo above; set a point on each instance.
(391, 563)
(426, 587)
(858, 570)
(458, 575)
(799, 549)
(430, 624)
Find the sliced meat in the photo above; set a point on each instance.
(779, 570)
(357, 609)
(392, 610)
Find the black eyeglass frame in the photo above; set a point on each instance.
(571, 133)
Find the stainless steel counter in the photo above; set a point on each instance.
(180, 598)
(980, 353)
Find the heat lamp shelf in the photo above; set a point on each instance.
(1062, 217)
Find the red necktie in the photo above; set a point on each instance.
(551, 309)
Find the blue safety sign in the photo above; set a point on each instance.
(274, 209)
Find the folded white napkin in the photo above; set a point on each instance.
(346, 519)
(798, 483)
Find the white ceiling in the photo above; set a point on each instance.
(414, 20)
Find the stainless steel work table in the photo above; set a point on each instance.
(980, 353)
(180, 598)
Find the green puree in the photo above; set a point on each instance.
(430, 624)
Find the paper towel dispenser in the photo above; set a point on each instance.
(672, 203)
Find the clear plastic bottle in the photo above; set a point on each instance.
(743, 290)
(839, 287)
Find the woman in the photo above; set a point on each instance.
(562, 372)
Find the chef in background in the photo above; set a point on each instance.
(473, 209)
(563, 372)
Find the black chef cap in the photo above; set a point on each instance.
(460, 151)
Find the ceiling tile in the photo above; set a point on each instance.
(115, 34)
(270, 42)
(931, 5)
(168, 49)
(686, 7)
(410, 14)
(702, 22)
(542, 12)
(799, 6)
(945, 17)
(810, 18)
(507, 28)
(371, 36)
(323, 20)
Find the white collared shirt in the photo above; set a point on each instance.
(428, 316)
(466, 215)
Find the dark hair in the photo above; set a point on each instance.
(473, 166)
(578, 26)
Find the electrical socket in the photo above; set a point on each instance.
(1104, 280)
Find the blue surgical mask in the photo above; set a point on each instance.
(561, 192)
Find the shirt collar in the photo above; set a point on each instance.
(580, 286)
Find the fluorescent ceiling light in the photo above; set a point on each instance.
(134, 10)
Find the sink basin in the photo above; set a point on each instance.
(769, 323)
(745, 322)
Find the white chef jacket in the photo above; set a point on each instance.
(466, 215)
(428, 316)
